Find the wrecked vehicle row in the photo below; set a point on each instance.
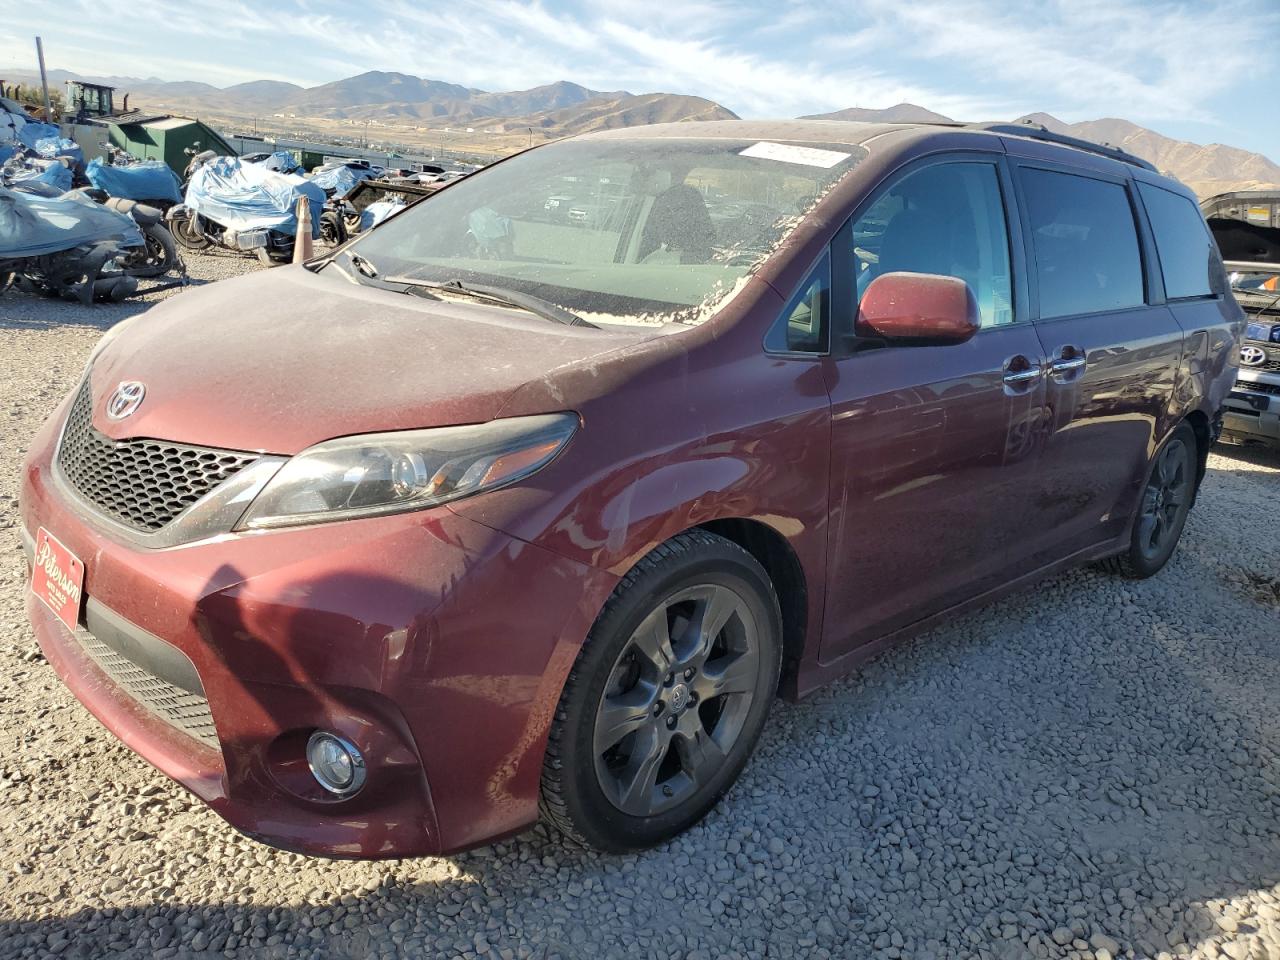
(1246, 226)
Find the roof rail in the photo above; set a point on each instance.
(1037, 131)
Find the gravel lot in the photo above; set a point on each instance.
(1090, 769)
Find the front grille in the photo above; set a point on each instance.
(185, 711)
(1259, 387)
(142, 483)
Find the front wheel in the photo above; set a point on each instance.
(667, 697)
(185, 231)
(1162, 511)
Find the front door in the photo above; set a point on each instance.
(933, 447)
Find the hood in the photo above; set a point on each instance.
(282, 359)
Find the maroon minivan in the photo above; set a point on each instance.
(504, 509)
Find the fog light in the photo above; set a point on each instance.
(335, 763)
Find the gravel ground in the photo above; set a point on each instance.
(1089, 769)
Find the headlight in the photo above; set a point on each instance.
(379, 473)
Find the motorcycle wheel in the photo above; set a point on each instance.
(332, 229)
(157, 257)
(184, 232)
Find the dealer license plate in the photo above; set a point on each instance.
(57, 578)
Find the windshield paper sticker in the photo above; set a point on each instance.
(809, 156)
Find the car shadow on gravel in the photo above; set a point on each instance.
(1090, 765)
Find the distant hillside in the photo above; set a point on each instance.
(565, 108)
(553, 96)
(898, 113)
(259, 94)
(629, 111)
(554, 110)
(1206, 169)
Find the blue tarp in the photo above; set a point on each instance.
(54, 174)
(379, 210)
(145, 180)
(339, 180)
(33, 131)
(247, 196)
(283, 162)
(51, 147)
(32, 225)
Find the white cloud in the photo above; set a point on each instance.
(966, 58)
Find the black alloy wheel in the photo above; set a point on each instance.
(1163, 507)
(667, 697)
(677, 699)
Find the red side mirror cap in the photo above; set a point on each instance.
(922, 308)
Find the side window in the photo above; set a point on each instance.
(947, 218)
(1188, 255)
(1085, 241)
(802, 328)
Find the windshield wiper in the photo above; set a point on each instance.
(512, 298)
(363, 265)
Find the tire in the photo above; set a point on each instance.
(332, 229)
(635, 757)
(160, 254)
(1166, 500)
(183, 231)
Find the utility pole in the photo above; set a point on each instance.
(44, 82)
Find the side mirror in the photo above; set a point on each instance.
(919, 308)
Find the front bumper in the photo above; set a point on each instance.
(435, 644)
(1252, 410)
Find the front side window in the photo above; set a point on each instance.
(948, 219)
(1085, 242)
(630, 230)
(802, 328)
(1188, 255)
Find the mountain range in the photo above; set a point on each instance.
(565, 108)
(1206, 169)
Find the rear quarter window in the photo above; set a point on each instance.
(1085, 242)
(1188, 255)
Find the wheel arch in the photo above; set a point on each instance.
(772, 551)
(1198, 420)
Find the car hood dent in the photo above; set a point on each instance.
(280, 360)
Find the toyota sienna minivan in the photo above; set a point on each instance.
(493, 513)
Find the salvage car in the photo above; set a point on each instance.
(501, 516)
(1246, 225)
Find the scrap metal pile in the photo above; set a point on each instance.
(63, 231)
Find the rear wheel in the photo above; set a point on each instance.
(158, 256)
(667, 698)
(1162, 511)
(332, 230)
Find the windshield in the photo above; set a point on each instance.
(650, 230)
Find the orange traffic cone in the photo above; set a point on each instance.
(302, 241)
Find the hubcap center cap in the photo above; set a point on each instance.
(679, 697)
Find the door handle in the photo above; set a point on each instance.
(1070, 361)
(1021, 372)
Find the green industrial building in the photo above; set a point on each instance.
(164, 138)
(148, 136)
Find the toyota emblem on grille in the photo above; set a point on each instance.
(126, 399)
(1252, 356)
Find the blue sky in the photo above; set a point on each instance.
(1149, 61)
